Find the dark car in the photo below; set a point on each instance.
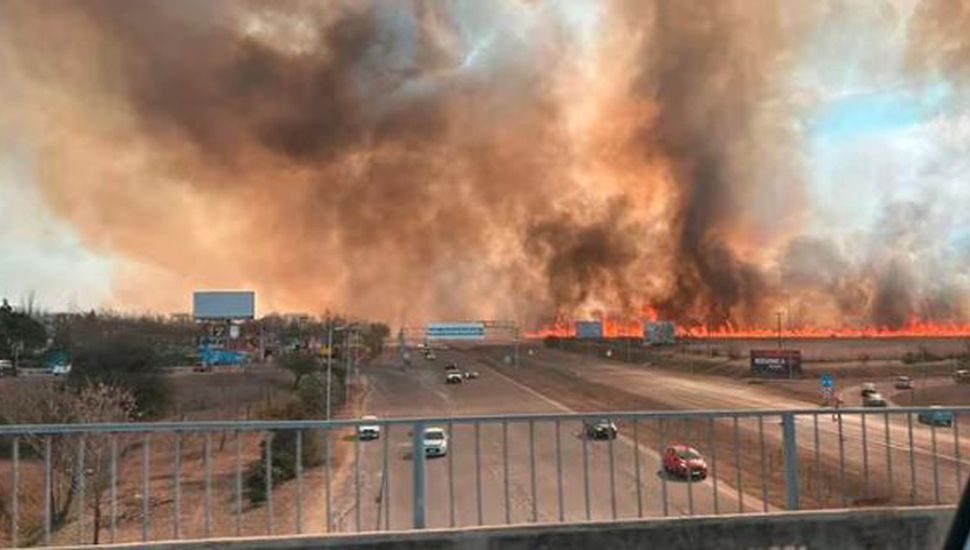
(685, 462)
(936, 417)
(601, 428)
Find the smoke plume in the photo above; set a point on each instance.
(420, 160)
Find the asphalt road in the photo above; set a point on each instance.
(468, 488)
(841, 465)
(938, 476)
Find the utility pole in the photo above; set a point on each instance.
(516, 362)
(329, 359)
(778, 315)
(347, 365)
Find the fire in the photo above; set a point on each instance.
(562, 327)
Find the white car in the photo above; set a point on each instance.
(61, 370)
(435, 442)
(368, 431)
(453, 377)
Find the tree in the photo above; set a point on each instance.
(52, 402)
(374, 335)
(120, 360)
(299, 364)
(19, 328)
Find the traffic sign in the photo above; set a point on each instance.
(455, 331)
(827, 380)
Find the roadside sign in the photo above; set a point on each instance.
(455, 331)
(827, 380)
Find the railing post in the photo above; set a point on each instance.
(417, 461)
(791, 459)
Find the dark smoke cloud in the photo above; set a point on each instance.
(712, 72)
(411, 160)
(591, 259)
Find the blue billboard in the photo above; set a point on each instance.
(456, 331)
(224, 305)
(589, 329)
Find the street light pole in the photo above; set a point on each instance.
(778, 315)
(347, 366)
(516, 346)
(329, 360)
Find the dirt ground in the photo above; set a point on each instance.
(199, 396)
(851, 360)
(943, 394)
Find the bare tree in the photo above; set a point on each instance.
(72, 457)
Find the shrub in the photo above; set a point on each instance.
(284, 461)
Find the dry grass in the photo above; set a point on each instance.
(199, 396)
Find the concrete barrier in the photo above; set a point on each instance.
(883, 528)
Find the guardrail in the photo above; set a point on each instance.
(160, 481)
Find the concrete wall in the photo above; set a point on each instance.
(912, 528)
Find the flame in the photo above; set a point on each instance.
(563, 327)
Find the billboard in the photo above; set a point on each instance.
(660, 333)
(589, 329)
(225, 305)
(776, 362)
(456, 331)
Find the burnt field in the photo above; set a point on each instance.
(837, 349)
(845, 357)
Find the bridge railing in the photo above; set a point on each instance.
(84, 484)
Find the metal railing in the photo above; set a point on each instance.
(81, 484)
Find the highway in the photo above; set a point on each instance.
(421, 391)
(666, 390)
(482, 494)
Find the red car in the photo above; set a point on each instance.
(684, 461)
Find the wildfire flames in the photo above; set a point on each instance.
(613, 328)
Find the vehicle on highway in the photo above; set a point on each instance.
(435, 442)
(6, 368)
(453, 378)
(61, 369)
(470, 374)
(430, 356)
(867, 388)
(367, 432)
(684, 461)
(600, 428)
(936, 417)
(202, 368)
(962, 376)
(451, 366)
(903, 383)
(874, 400)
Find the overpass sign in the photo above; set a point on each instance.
(456, 331)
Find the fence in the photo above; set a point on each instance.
(82, 484)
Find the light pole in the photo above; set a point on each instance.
(778, 315)
(516, 355)
(329, 360)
